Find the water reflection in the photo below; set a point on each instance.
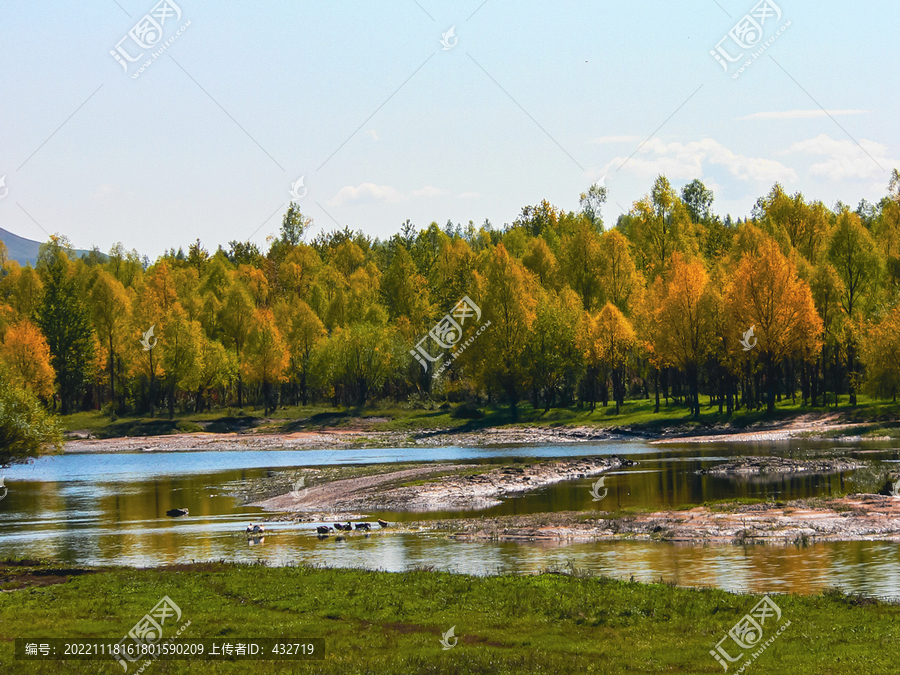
(110, 509)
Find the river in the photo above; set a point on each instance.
(109, 509)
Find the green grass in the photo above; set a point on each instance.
(636, 415)
(376, 622)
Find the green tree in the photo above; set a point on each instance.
(509, 305)
(110, 306)
(856, 260)
(551, 351)
(26, 429)
(662, 226)
(65, 322)
(293, 225)
(698, 200)
(182, 343)
(592, 202)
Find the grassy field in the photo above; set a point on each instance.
(636, 415)
(376, 622)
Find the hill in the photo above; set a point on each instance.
(25, 251)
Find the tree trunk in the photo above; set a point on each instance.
(656, 388)
(112, 374)
(770, 385)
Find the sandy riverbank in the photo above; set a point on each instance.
(810, 426)
(852, 518)
(461, 487)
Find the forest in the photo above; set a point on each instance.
(799, 300)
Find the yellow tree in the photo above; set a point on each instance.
(804, 225)
(767, 294)
(25, 359)
(182, 344)
(880, 351)
(619, 277)
(218, 368)
(858, 263)
(509, 304)
(827, 289)
(405, 291)
(582, 262)
(267, 357)
(662, 226)
(110, 306)
(683, 320)
(22, 288)
(725, 347)
(303, 331)
(608, 339)
(236, 320)
(541, 262)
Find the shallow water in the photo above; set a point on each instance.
(110, 509)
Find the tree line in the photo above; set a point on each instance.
(797, 300)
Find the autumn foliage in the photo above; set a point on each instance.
(672, 302)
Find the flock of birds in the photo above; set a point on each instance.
(326, 530)
(257, 530)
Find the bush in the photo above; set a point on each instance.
(467, 411)
(27, 429)
(188, 427)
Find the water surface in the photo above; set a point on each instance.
(110, 509)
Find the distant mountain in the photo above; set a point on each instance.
(24, 251)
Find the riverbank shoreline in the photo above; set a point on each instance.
(799, 522)
(808, 426)
(461, 487)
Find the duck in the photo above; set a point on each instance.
(255, 529)
(324, 529)
(174, 513)
(383, 523)
(363, 526)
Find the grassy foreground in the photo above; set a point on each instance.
(384, 623)
(636, 415)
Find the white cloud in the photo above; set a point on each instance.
(844, 158)
(684, 161)
(427, 191)
(373, 134)
(617, 139)
(799, 114)
(367, 193)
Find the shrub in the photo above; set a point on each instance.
(467, 411)
(27, 429)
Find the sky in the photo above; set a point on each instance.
(373, 113)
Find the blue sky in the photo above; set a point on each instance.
(533, 101)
